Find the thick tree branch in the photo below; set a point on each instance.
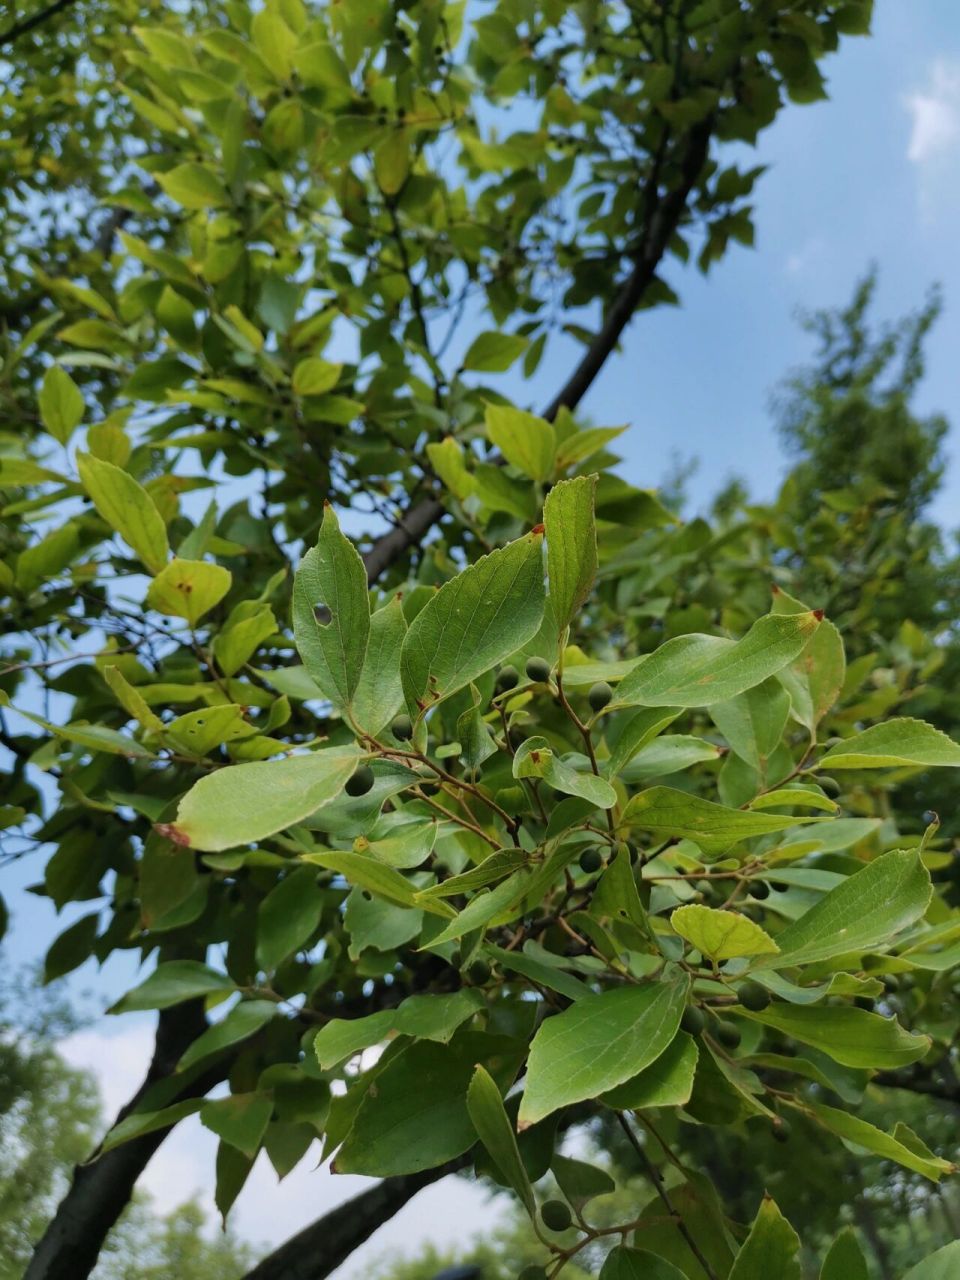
(101, 1190)
(29, 24)
(319, 1249)
(664, 220)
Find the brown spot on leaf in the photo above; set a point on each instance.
(170, 831)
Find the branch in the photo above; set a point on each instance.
(28, 24)
(319, 1249)
(920, 1080)
(101, 1190)
(421, 517)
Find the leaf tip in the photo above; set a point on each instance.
(537, 530)
(818, 614)
(170, 831)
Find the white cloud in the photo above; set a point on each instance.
(935, 115)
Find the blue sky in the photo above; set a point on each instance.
(871, 175)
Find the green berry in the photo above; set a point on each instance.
(533, 1272)
(402, 728)
(754, 997)
(728, 1034)
(479, 973)
(508, 678)
(693, 1020)
(361, 782)
(782, 1129)
(759, 889)
(556, 1215)
(591, 860)
(538, 669)
(600, 695)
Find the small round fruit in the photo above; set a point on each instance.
(508, 678)
(402, 728)
(782, 1129)
(591, 860)
(479, 973)
(891, 982)
(728, 1034)
(600, 695)
(556, 1215)
(693, 1020)
(754, 997)
(361, 782)
(538, 669)
(533, 1272)
(759, 889)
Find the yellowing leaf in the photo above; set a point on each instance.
(127, 508)
(188, 588)
(721, 935)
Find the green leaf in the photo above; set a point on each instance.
(476, 620)
(754, 721)
(287, 916)
(241, 1120)
(814, 679)
(188, 588)
(895, 743)
(526, 441)
(623, 1263)
(851, 1037)
(534, 758)
(248, 802)
(143, 1122)
(315, 377)
(635, 733)
(489, 1118)
(416, 1118)
(45, 559)
(379, 693)
(571, 545)
(580, 1182)
(862, 1134)
(866, 911)
(247, 627)
(714, 827)
(367, 873)
(425, 1017)
(719, 934)
(598, 1043)
(61, 403)
(700, 670)
(494, 352)
(941, 1265)
(171, 983)
(195, 187)
(132, 701)
(845, 1260)
(770, 1249)
(541, 973)
(667, 1082)
(391, 161)
(331, 578)
(243, 1021)
(127, 508)
(198, 732)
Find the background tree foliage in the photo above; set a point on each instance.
(683, 899)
